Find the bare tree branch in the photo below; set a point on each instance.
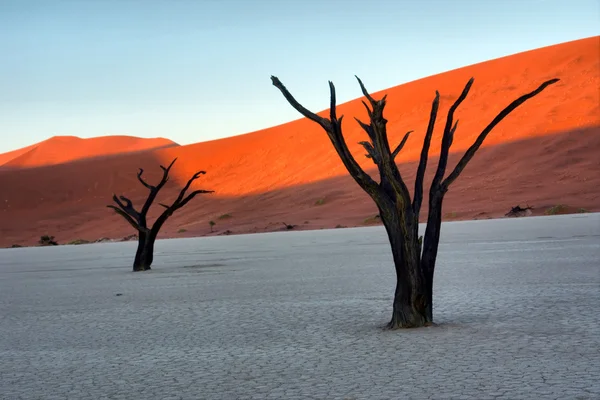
(128, 204)
(165, 177)
(451, 135)
(447, 138)
(418, 195)
(167, 169)
(143, 182)
(127, 207)
(326, 124)
(401, 145)
(475, 146)
(154, 190)
(367, 95)
(367, 128)
(127, 217)
(192, 195)
(185, 188)
(333, 129)
(388, 170)
(332, 102)
(370, 152)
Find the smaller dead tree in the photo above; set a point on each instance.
(147, 236)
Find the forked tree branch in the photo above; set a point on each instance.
(155, 189)
(127, 207)
(137, 219)
(382, 154)
(180, 201)
(166, 171)
(439, 187)
(373, 102)
(192, 195)
(333, 128)
(127, 217)
(475, 146)
(447, 139)
(370, 152)
(142, 181)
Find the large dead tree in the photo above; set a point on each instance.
(147, 236)
(414, 258)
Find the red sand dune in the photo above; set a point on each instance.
(545, 153)
(62, 149)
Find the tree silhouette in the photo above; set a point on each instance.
(414, 258)
(147, 236)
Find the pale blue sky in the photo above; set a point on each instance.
(199, 70)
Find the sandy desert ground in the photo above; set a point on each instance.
(544, 154)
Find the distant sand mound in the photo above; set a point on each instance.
(63, 149)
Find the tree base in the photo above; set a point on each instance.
(141, 268)
(391, 327)
(410, 318)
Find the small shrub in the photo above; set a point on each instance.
(372, 220)
(451, 215)
(288, 226)
(557, 209)
(582, 211)
(225, 216)
(78, 242)
(129, 238)
(16, 246)
(182, 230)
(320, 202)
(339, 226)
(46, 240)
(519, 211)
(211, 223)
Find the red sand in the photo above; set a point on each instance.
(63, 149)
(545, 153)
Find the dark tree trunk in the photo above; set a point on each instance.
(432, 239)
(145, 252)
(412, 305)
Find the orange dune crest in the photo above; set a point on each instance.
(299, 152)
(63, 149)
(545, 153)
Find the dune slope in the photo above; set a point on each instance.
(544, 154)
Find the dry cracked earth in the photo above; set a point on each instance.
(299, 315)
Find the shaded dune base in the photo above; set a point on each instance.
(545, 153)
(499, 177)
(63, 149)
